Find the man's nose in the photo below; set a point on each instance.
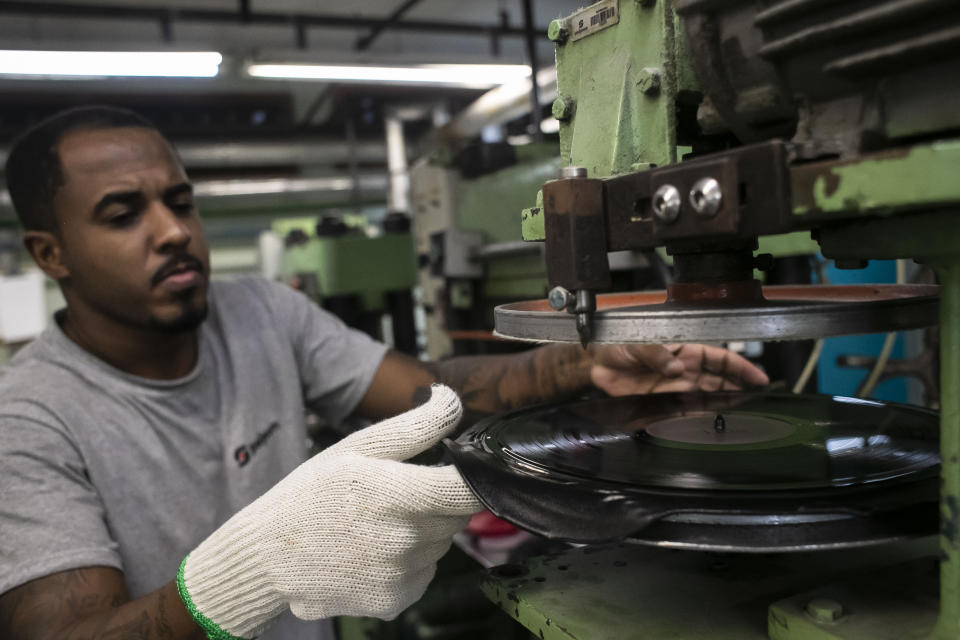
(169, 229)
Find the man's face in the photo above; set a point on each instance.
(131, 238)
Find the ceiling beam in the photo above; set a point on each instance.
(364, 42)
(70, 10)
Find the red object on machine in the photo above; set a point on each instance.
(487, 525)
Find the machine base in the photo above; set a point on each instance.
(621, 592)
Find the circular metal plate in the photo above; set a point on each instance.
(786, 473)
(789, 313)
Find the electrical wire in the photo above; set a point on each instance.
(811, 365)
(881, 363)
(809, 368)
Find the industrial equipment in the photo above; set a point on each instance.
(366, 280)
(704, 127)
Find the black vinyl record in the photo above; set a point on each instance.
(613, 467)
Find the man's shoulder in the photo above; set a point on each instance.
(38, 377)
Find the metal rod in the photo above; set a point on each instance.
(884, 57)
(367, 40)
(948, 623)
(531, 44)
(68, 10)
(868, 20)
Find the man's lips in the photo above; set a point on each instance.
(181, 270)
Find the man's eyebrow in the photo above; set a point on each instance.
(177, 190)
(122, 197)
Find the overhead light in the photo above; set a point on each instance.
(99, 64)
(459, 75)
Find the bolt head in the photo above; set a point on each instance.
(666, 203)
(557, 31)
(824, 609)
(706, 197)
(559, 298)
(563, 109)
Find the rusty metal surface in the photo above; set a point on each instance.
(789, 313)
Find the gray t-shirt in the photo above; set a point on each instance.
(102, 468)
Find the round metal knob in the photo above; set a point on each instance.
(706, 197)
(666, 203)
(559, 298)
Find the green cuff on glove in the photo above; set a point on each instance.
(213, 631)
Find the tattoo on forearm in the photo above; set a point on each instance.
(489, 384)
(66, 606)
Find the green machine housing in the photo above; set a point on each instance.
(704, 127)
(357, 277)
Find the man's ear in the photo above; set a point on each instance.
(44, 247)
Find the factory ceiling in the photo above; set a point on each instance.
(234, 105)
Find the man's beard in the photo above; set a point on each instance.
(192, 317)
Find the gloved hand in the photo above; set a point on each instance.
(352, 531)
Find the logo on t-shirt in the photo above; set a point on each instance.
(244, 452)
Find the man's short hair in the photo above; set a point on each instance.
(33, 171)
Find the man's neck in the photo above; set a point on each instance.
(146, 353)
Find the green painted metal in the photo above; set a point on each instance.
(532, 227)
(918, 177)
(515, 277)
(490, 203)
(355, 264)
(798, 243)
(622, 83)
(890, 603)
(623, 592)
(948, 624)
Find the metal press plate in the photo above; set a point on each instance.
(788, 313)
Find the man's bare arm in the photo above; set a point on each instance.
(490, 384)
(486, 384)
(92, 604)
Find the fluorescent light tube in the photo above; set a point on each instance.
(461, 75)
(98, 64)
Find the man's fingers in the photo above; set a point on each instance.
(655, 357)
(440, 491)
(725, 363)
(407, 434)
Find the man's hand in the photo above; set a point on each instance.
(352, 531)
(630, 369)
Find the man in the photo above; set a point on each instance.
(138, 429)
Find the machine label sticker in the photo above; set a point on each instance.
(594, 18)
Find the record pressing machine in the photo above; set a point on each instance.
(700, 126)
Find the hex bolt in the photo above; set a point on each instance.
(648, 81)
(563, 109)
(560, 298)
(666, 203)
(706, 197)
(573, 172)
(557, 31)
(824, 610)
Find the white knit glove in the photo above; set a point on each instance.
(352, 531)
